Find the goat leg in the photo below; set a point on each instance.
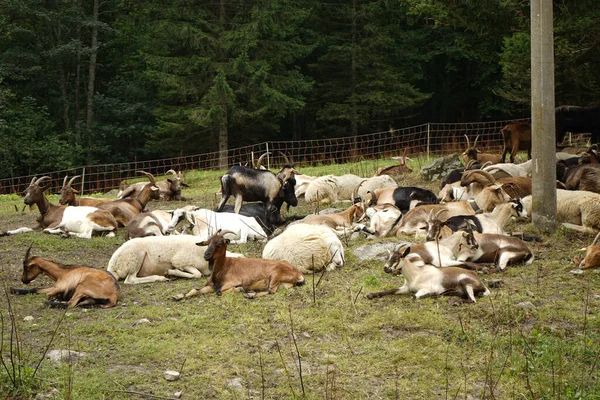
(24, 291)
(56, 304)
(385, 293)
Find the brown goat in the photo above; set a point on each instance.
(74, 285)
(170, 188)
(399, 169)
(517, 136)
(471, 153)
(125, 209)
(338, 221)
(515, 186)
(243, 274)
(592, 255)
(68, 195)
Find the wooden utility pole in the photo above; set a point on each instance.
(542, 116)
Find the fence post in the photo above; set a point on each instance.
(82, 181)
(428, 140)
(268, 157)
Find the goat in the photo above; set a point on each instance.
(493, 222)
(515, 186)
(77, 285)
(204, 222)
(577, 120)
(415, 221)
(153, 258)
(404, 197)
(426, 279)
(384, 220)
(170, 188)
(576, 209)
(125, 209)
(307, 247)
(248, 184)
(592, 255)
(339, 222)
(69, 220)
(399, 169)
(68, 195)
(581, 177)
(152, 223)
(471, 153)
(243, 274)
(331, 188)
(509, 169)
(495, 248)
(302, 182)
(517, 136)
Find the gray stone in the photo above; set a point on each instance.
(28, 318)
(235, 383)
(171, 376)
(439, 167)
(70, 356)
(526, 305)
(377, 251)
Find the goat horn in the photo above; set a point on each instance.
(437, 214)
(72, 179)
(171, 171)
(43, 179)
(355, 192)
(470, 164)
(475, 142)
(468, 174)
(485, 164)
(259, 161)
(32, 180)
(596, 239)
(27, 253)
(65, 181)
(468, 142)
(286, 159)
(489, 176)
(148, 175)
(222, 232)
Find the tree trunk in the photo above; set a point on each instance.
(223, 133)
(354, 117)
(92, 76)
(78, 81)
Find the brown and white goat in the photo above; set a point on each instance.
(499, 249)
(170, 188)
(472, 153)
(426, 279)
(68, 195)
(515, 186)
(243, 274)
(58, 219)
(339, 222)
(399, 169)
(414, 222)
(592, 255)
(74, 285)
(125, 209)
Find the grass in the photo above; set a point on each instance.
(348, 347)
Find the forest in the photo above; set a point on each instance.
(103, 81)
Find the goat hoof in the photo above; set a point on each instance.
(250, 295)
(178, 297)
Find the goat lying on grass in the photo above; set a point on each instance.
(243, 274)
(153, 258)
(592, 255)
(74, 285)
(425, 279)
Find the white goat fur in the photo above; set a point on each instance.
(76, 221)
(523, 170)
(153, 223)
(206, 223)
(576, 209)
(155, 257)
(301, 244)
(331, 188)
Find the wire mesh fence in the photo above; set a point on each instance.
(431, 140)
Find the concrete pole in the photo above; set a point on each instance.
(542, 116)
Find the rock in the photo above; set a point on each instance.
(28, 318)
(235, 383)
(378, 251)
(526, 305)
(576, 271)
(171, 376)
(65, 355)
(141, 321)
(529, 293)
(178, 395)
(439, 167)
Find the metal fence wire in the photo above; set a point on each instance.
(431, 140)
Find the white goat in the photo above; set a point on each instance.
(206, 222)
(152, 223)
(331, 188)
(153, 258)
(499, 249)
(523, 169)
(576, 209)
(306, 246)
(425, 279)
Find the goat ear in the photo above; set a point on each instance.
(406, 251)
(75, 191)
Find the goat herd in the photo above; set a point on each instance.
(463, 226)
